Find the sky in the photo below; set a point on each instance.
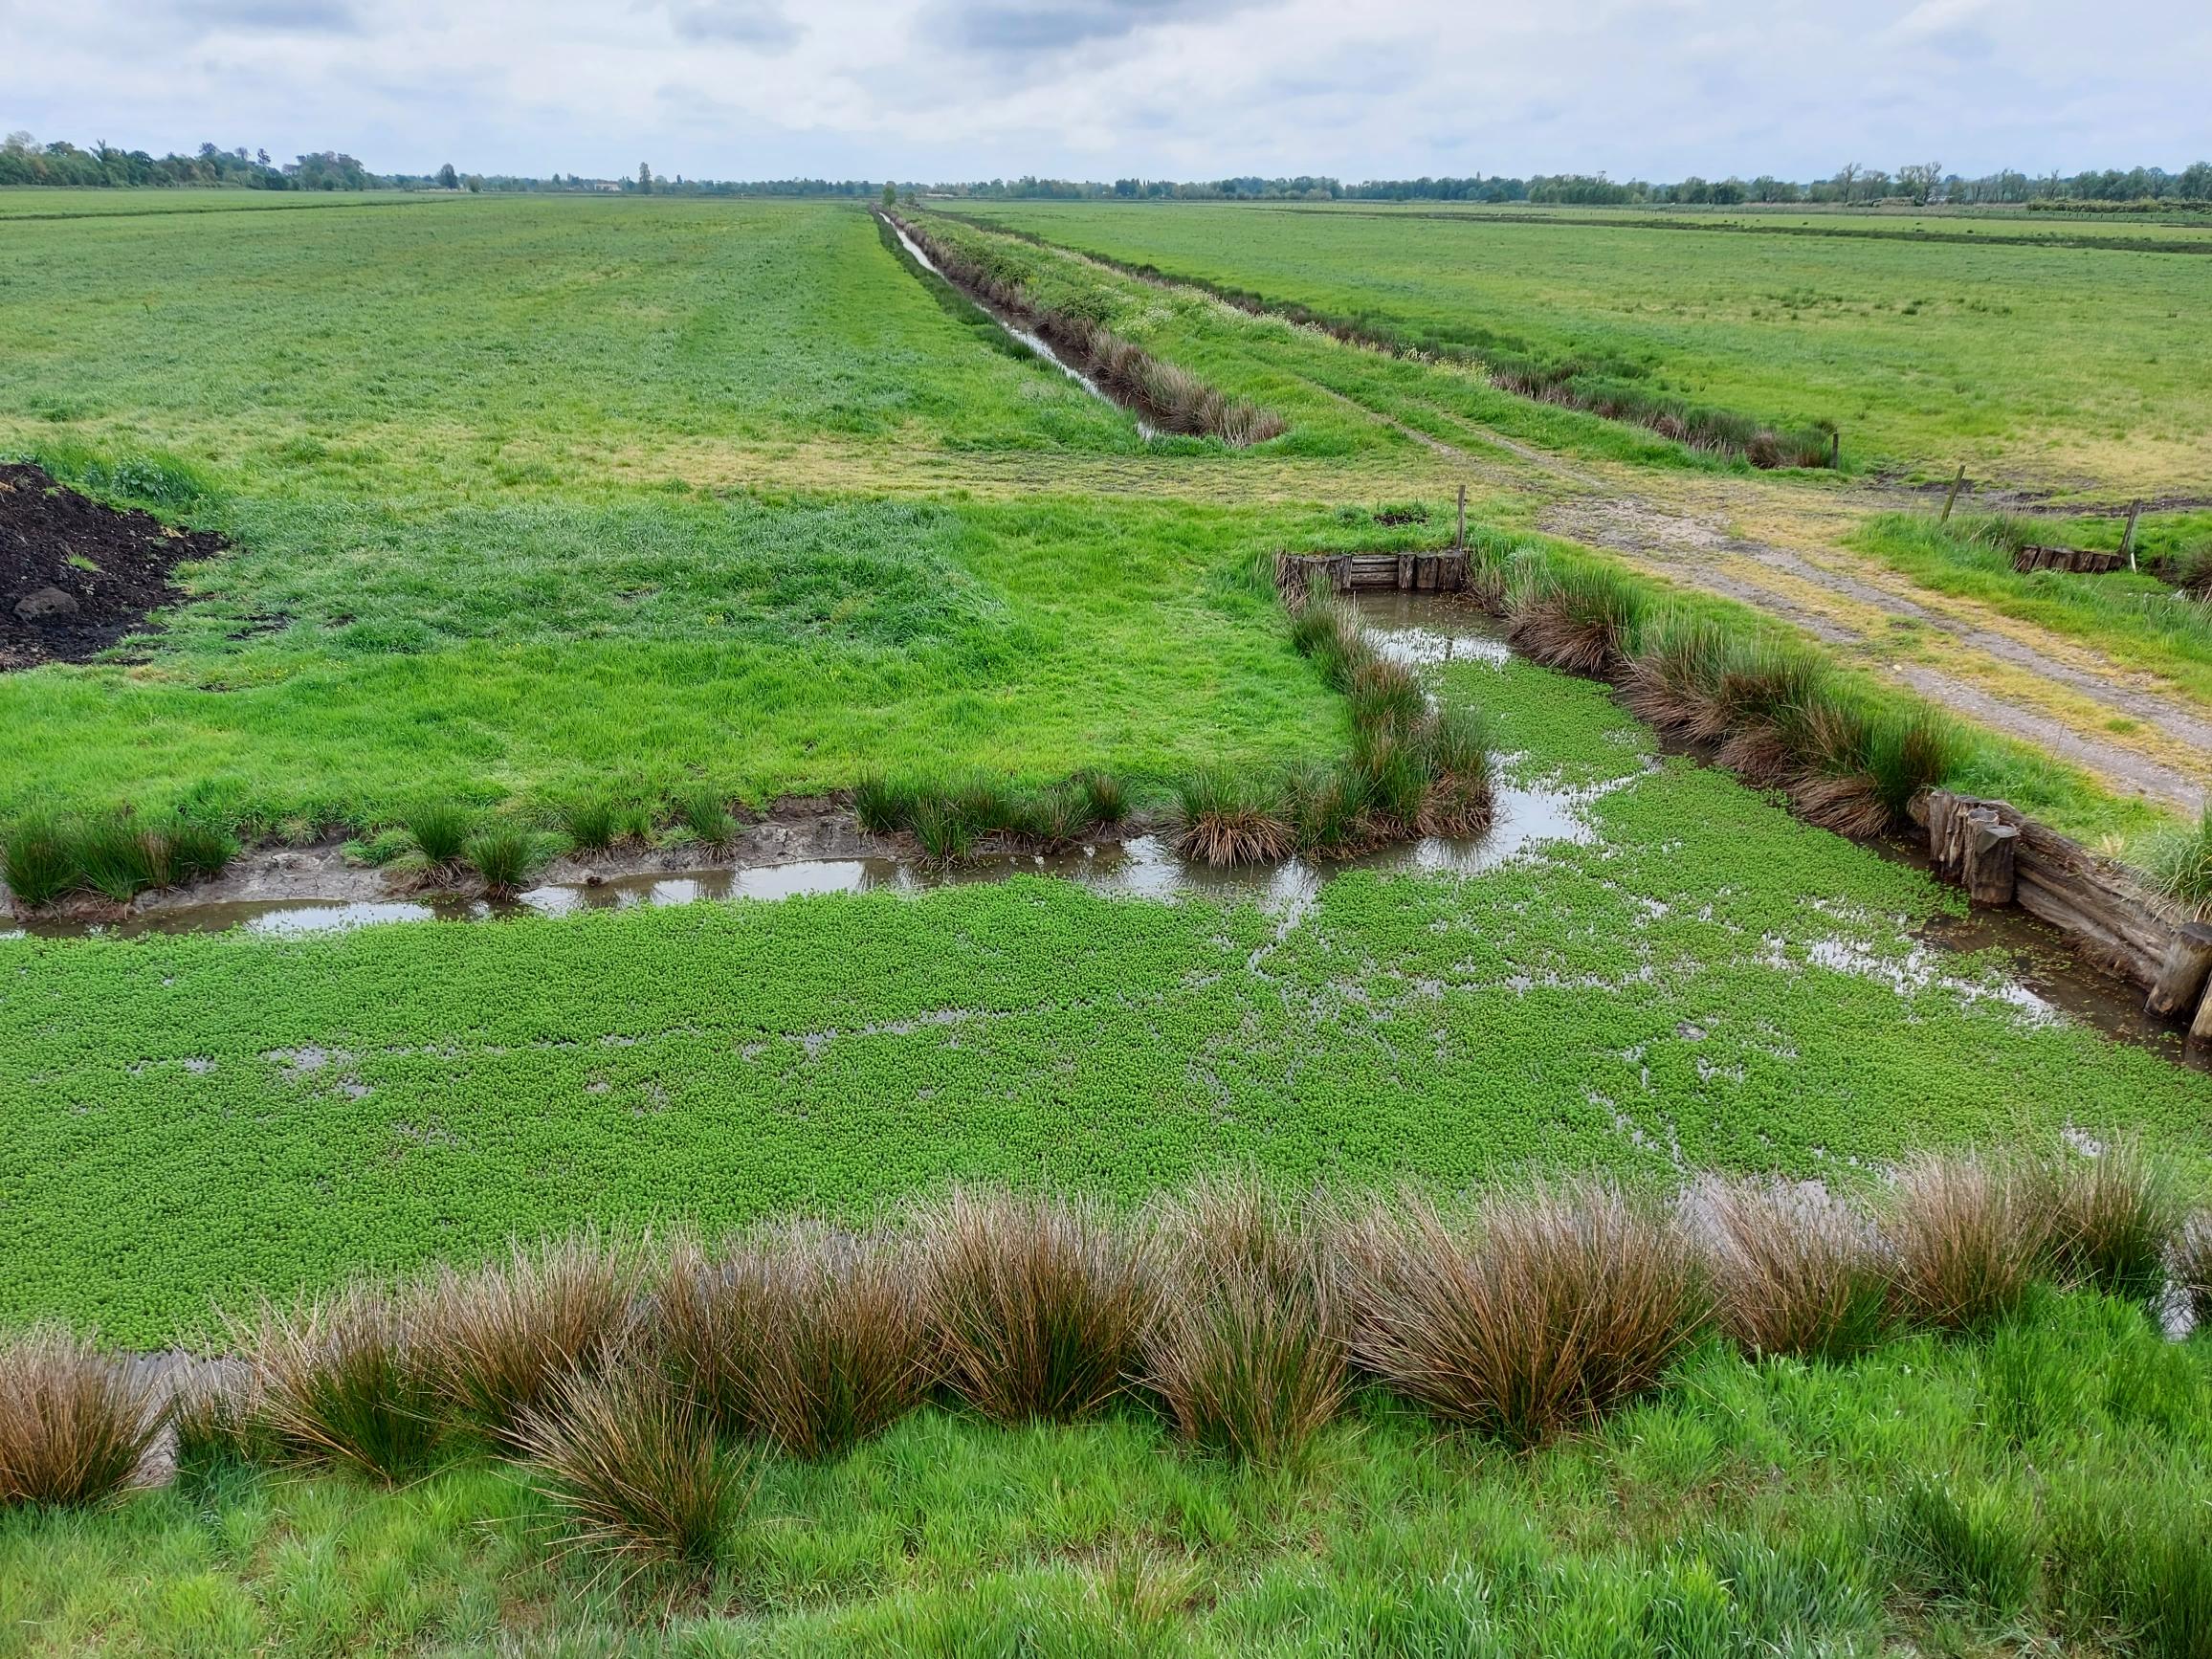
(939, 90)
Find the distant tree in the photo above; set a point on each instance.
(448, 179)
(475, 183)
(2195, 185)
(1918, 180)
(1847, 181)
(890, 195)
(644, 179)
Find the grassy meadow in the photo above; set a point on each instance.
(2063, 367)
(536, 501)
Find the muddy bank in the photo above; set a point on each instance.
(75, 576)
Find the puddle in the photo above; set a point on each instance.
(1037, 343)
(1144, 867)
(1423, 628)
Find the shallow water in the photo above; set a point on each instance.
(1037, 343)
(2037, 973)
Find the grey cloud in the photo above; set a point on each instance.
(1030, 25)
(761, 23)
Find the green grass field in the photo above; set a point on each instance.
(2062, 367)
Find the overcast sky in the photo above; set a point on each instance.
(956, 89)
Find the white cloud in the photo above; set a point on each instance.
(1100, 88)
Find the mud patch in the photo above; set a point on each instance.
(75, 576)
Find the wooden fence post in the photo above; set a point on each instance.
(1990, 844)
(2128, 536)
(2182, 975)
(1835, 448)
(1459, 541)
(1952, 495)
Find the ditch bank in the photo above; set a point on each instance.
(1167, 397)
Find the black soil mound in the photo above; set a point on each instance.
(75, 576)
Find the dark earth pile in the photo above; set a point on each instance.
(75, 576)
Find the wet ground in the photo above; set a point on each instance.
(813, 847)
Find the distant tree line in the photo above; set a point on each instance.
(24, 161)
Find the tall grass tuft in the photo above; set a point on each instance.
(632, 1461)
(74, 1426)
(591, 823)
(1328, 631)
(1232, 817)
(880, 806)
(1560, 1304)
(1387, 696)
(1967, 1239)
(503, 1335)
(1251, 1350)
(1461, 797)
(1678, 663)
(839, 1347)
(945, 830)
(1392, 768)
(2110, 1220)
(705, 813)
(1105, 801)
(1575, 617)
(116, 860)
(504, 856)
(345, 1379)
(440, 830)
(1037, 1305)
(38, 861)
(1327, 807)
(2193, 1265)
(1980, 1549)
(1795, 1269)
(2175, 864)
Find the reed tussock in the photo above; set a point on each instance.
(344, 1379)
(2193, 1265)
(1553, 1308)
(1578, 618)
(1968, 1242)
(1227, 818)
(504, 1335)
(2110, 1220)
(1038, 1305)
(1795, 1269)
(1251, 1351)
(75, 1424)
(829, 1336)
(633, 1462)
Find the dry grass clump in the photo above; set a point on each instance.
(632, 1461)
(1037, 1305)
(504, 1335)
(344, 1379)
(1251, 1351)
(806, 1337)
(75, 1424)
(2110, 1220)
(1968, 1242)
(1795, 1269)
(1558, 1305)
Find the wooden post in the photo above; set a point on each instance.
(1990, 843)
(1459, 541)
(1952, 495)
(2181, 977)
(1404, 570)
(1835, 448)
(2128, 536)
